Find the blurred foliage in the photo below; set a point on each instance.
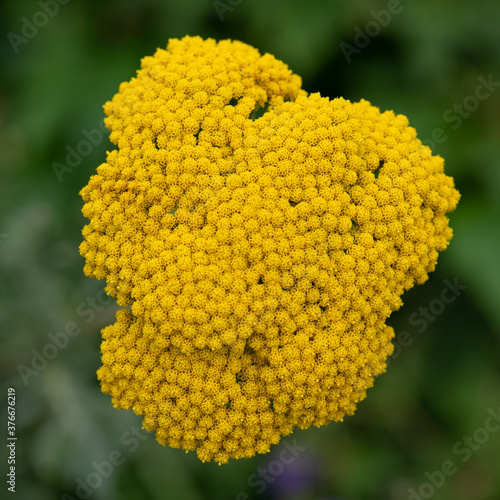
(444, 376)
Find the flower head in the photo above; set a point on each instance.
(260, 257)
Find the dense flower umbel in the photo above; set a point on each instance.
(260, 257)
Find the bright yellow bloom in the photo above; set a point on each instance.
(260, 257)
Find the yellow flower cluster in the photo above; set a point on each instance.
(256, 259)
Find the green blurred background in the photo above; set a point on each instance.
(432, 405)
